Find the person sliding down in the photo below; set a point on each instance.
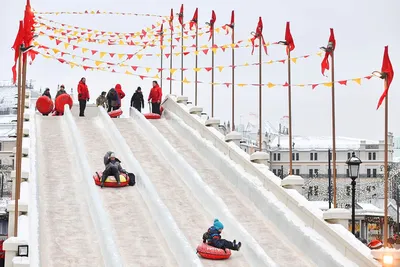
(213, 238)
(113, 168)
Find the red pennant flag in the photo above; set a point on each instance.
(94, 52)
(388, 70)
(232, 24)
(29, 28)
(227, 84)
(142, 77)
(58, 42)
(171, 21)
(208, 69)
(167, 55)
(286, 84)
(289, 39)
(85, 67)
(258, 34)
(186, 53)
(61, 60)
(161, 33)
(344, 82)
(212, 22)
(112, 55)
(205, 51)
(134, 67)
(194, 19)
(129, 56)
(313, 86)
(180, 16)
(331, 45)
(17, 43)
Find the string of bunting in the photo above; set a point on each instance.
(139, 56)
(227, 84)
(98, 12)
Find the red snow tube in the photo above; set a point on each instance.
(115, 113)
(152, 116)
(44, 105)
(212, 253)
(375, 244)
(161, 109)
(63, 100)
(110, 181)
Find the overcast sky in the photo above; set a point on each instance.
(362, 29)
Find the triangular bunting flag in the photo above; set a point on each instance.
(327, 84)
(270, 85)
(294, 60)
(344, 82)
(148, 69)
(139, 56)
(220, 68)
(102, 54)
(357, 80)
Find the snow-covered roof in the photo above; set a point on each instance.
(322, 205)
(320, 142)
(369, 209)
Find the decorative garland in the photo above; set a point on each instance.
(98, 12)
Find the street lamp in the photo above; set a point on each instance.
(354, 167)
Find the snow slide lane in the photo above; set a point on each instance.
(67, 235)
(139, 240)
(188, 213)
(267, 235)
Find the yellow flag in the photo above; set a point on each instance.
(129, 73)
(214, 49)
(177, 54)
(184, 48)
(66, 45)
(357, 80)
(328, 84)
(217, 30)
(73, 56)
(196, 52)
(158, 55)
(84, 50)
(185, 80)
(75, 33)
(172, 71)
(139, 56)
(123, 65)
(102, 54)
(35, 43)
(163, 47)
(270, 62)
(45, 56)
(294, 60)
(120, 56)
(204, 46)
(246, 64)
(185, 37)
(201, 33)
(242, 84)
(72, 64)
(169, 40)
(79, 40)
(90, 35)
(121, 42)
(102, 41)
(300, 85)
(220, 68)
(55, 50)
(197, 69)
(156, 76)
(148, 69)
(271, 85)
(98, 63)
(319, 53)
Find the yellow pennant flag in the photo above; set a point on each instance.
(148, 69)
(129, 73)
(204, 46)
(184, 48)
(139, 56)
(294, 60)
(328, 84)
(217, 30)
(46, 56)
(185, 80)
(79, 40)
(120, 56)
(357, 80)
(214, 49)
(300, 85)
(35, 43)
(169, 40)
(156, 76)
(73, 56)
(242, 84)
(172, 71)
(102, 41)
(72, 65)
(246, 64)
(96, 31)
(270, 62)
(185, 37)
(121, 42)
(319, 54)
(270, 85)
(177, 54)
(196, 52)
(123, 65)
(163, 47)
(75, 33)
(102, 54)
(158, 55)
(201, 33)
(197, 69)
(220, 68)
(66, 45)
(84, 50)
(55, 50)
(98, 63)
(267, 44)
(90, 35)
(233, 45)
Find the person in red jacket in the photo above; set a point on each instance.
(121, 94)
(155, 98)
(83, 96)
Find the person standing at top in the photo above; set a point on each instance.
(155, 98)
(121, 94)
(83, 96)
(112, 99)
(102, 100)
(137, 100)
(61, 91)
(47, 93)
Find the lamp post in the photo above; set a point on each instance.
(354, 167)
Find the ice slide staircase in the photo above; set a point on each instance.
(183, 183)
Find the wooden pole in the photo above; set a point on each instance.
(212, 73)
(18, 143)
(385, 218)
(260, 97)
(333, 131)
(182, 59)
(196, 63)
(162, 55)
(170, 64)
(233, 78)
(290, 113)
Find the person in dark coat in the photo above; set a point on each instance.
(113, 167)
(213, 237)
(102, 100)
(137, 100)
(47, 93)
(61, 91)
(112, 99)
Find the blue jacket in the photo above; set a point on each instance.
(214, 233)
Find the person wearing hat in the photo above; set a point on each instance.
(61, 91)
(113, 167)
(47, 93)
(102, 100)
(137, 100)
(213, 238)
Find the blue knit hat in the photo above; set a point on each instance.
(218, 225)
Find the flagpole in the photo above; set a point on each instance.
(233, 77)
(385, 217)
(182, 58)
(170, 64)
(290, 112)
(196, 63)
(212, 72)
(162, 54)
(19, 141)
(260, 97)
(333, 130)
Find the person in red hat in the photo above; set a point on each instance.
(121, 94)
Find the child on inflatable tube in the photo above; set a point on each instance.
(213, 238)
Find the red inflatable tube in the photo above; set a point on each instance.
(115, 113)
(152, 116)
(44, 105)
(212, 253)
(61, 101)
(375, 244)
(161, 109)
(110, 181)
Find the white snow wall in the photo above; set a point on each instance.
(100, 218)
(184, 254)
(268, 185)
(212, 203)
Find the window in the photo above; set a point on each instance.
(279, 156)
(374, 172)
(1, 146)
(369, 156)
(374, 156)
(13, 164)
(310, 173)
(315, 190)
(316, 172)
(347, 173)
(274, 156)
(315, 156)
(292, 156)
(297, 171)
(297, 156)
(368, 172)
(347, 190)
(311, 156)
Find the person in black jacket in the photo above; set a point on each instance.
(137, 100)
(47, 93)
(113, 168)
(112, 99)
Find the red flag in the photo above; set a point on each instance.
(258, 34)
(388, 70)
(289, 39)
(180, 16)
(331, 45)
(194, 19)
(29, 29)
(161, 33)
(17, 43)
(232, 24)
(212, 21)
(171, 20)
